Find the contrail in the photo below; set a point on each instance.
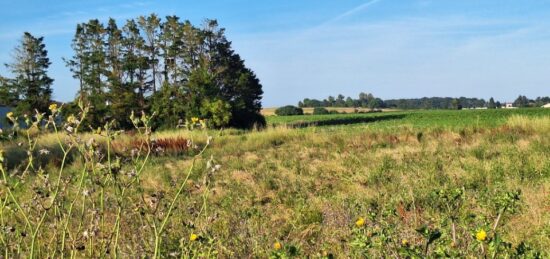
(352, 11)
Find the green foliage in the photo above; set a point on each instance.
(30, 89)
(218, 111)
(120, 70)
(320, 111)
(289, 110)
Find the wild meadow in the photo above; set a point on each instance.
(399, 185)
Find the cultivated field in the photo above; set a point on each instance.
(393, 184)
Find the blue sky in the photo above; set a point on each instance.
(316, 48)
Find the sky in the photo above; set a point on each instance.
(316, 48)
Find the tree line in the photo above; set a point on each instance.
(165, 66)
(368, 100)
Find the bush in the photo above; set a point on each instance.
(289, 110)
(320, 111)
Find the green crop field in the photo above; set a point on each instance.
(417, 119)
(410, 184)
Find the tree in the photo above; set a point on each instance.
(350, 102)
(340, 101)
(522, 101)
(151, 28)
(456, 105)
(491, 104)
(31, 81)
(8, 95)
(170, 67)
(289, 110)
(320, 111)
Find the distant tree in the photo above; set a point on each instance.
(375, 103)
(30, 70)
(491, 104)
(522, 101)
(8, 95)
(540, 101)
(498, 105)
(340, 101)
(331, 101)
(350, 102)
(301, 104)
(456, 105)
(320, 111)
(289, 110)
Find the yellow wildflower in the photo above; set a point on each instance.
(194, 120)
(360, 222)
(481, 235)
(10, 115)
(53, 107)
(193, 237)
(405, 242)
(277, 246)
(71, 119)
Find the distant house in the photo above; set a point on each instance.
(508, 106)
(546, 105)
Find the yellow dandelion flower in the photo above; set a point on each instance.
(277, 246)
(71, 119)
(194, 119)
(193, 237)
(53, 107)
(481, 235)
(9, 115)
(405, 242)
(360, 222)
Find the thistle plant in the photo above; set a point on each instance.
(82, 210)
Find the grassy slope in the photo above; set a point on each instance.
(306, 187)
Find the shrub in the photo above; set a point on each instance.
(289, 110)
(320, 111)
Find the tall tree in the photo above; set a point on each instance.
(77, 62)
(491, 104)
(150, 26)
(30, 71)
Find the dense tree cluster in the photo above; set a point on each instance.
(436, 103)
(522, 101)
(365, 100)
(368, 100)
(169, 67)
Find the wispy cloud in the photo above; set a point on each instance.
(352, 12)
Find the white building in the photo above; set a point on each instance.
(546, 105)
(508, 106)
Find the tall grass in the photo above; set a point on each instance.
(474, 189)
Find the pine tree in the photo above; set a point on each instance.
(30, 69)
(150, 26)
(491, 104)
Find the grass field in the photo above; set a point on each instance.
(392, 184)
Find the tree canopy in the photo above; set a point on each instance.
(172, 68)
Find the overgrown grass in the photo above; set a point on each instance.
(426, 183)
